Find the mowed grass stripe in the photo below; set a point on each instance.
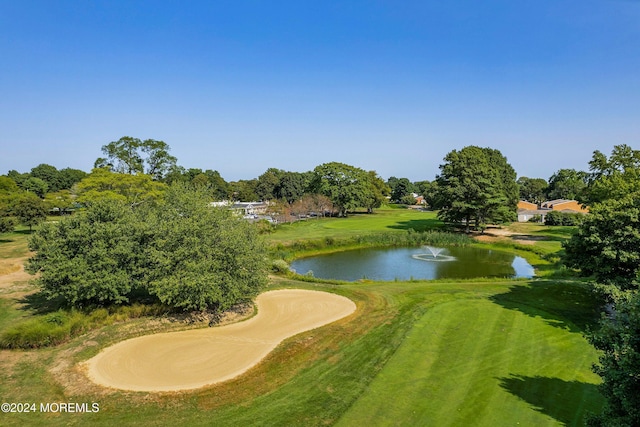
(462, 362)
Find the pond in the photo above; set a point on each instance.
(415, 263)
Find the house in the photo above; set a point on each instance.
(565, 205)
(528, 210)
(250, 208)
(243, 208)
(524, 205)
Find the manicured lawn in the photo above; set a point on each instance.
(381, 220)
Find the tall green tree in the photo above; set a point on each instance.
(30, 210)
(36, 186)
(402, 187)
(476, 185)
(268, 184)
(8, 185)
(618, 340)
(203, 257)
(533, 190)
(9, 191)
(378, 192)
(243, 190)
(567, 184)
(132, 189)
(613, 177)
(607, 244)
(132, 156)
(292, 186)
(49, 174)
(348, 187)
(68, 177)
(90, 258)
(186, 254)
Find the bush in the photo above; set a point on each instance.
(279, 266)
(563, 218)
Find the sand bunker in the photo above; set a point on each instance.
(195, 358)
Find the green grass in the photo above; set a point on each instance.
(356, 225)
(419, 353)
(501, 368)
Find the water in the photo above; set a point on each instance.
(415, 263)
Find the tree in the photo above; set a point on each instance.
(567, 184)
(131, 189)
(268, 184)
(60, 202)
(159, 162)
(93, 257)
(402, 187)
(429, 190)
(618, 340)
(533, 190)
(203, 257)
(8, 192)
(476, 185)
(69, 177)
(292, 186)
(17, 177)
(36, 186)
(8, 185)
(378, 192)
(182, 252)
(7, 224)
(613, 177)
(49, 174)
(348, 187)
(243, 190)
(607, 244)
(130, 155)
(30, 210)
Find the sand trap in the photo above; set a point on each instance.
(192, 359)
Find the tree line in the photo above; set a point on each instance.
(475, 186)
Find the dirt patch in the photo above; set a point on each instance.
(11, 271)
(502, 234)
(197, 358)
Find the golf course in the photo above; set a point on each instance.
(486, 351)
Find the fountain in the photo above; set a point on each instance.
(433, 255)
(434, 251)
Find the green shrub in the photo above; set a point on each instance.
(563, 218)
(279, 266)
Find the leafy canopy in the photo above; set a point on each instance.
(476, 185)
(179, 250)
(607, 245)
(133, 156)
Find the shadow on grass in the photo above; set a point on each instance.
(418, 224)
(39, 304)
(567, 305)
(569, 402)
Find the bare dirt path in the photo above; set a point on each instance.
(196, 358)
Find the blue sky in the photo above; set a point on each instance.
(392, 86)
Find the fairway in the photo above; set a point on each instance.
(399, 220)
(472, 362)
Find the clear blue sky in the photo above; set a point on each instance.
(392, 86)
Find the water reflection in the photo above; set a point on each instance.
(413, 263)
